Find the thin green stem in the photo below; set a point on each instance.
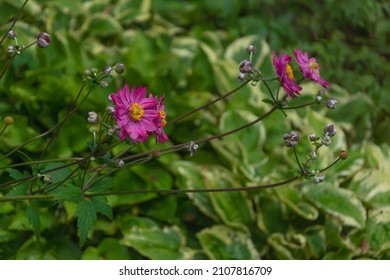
(73, 107)
(297, 160)
(300, 106)
(13, 23)
(207, 104)
(4, 128)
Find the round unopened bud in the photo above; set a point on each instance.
(9, 120)
(331, 103)
(321, 92)
(245, 66)
(103, 84)
(12, 50)
(119, 68)
(88, 72)
(47, 179)
(110, 110)
(330, 130)
(318, 98)
(12, 34)
(319, 178)
(120, 163)
(251, 49)
(343, 155)
(92, 117)
(107, 70)
(242, 76)
(43, 40)
(326, 140)
(313, 137)
(313, 155)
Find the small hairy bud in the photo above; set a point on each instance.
(12, 50)
(12, 34)
(251, 49)
(119, 68)
(9, 120)
(107, 70)
(245, 66)
(331, 103)
(110, 110)
(92, 117)
(343, 155)
(330, 130)
(313, 137)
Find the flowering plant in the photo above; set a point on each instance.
(127, 163)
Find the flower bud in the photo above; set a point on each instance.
(291, 139)
(321, 92)
(47, 179)
(242, 77)
(9, 120)
(92, 117)
(103, 84)
(107, 70)
(330, 130)
(331, 103)
(119, 68)
(326, 140)
(193, 147)
(12, 50)
(120, 163)
(110, 110)
(43, 40)
(319, 178)
(12, 34)
(343, 155)
(245, 66)
(88, 72)
(251, 49)
(313, 137)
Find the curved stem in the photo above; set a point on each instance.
(208, 104)
(300, 106)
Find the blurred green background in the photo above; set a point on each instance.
(189, 51)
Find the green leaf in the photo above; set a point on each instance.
(21, 189)
(34, 220)
(242, 213)
(156, 243)
(294, 201)
(223, 243)
(86, 217)
(378, 229)
(102, 185)
(101, 206)
(68, 192)
(101, 25)
(338, 202)
(189, 176)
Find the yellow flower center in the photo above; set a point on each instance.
(289, 72)
(313, 66)
(136, 112)
(163, 118)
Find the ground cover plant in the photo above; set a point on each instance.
(194, 130)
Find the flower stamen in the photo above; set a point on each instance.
(136, 112)
(289, 72)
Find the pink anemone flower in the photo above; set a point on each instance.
(310, 68)
(285, 74)
(136, 115)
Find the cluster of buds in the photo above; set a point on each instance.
(43, 41)
(245, 67)
(329, 102)
(104, 77)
